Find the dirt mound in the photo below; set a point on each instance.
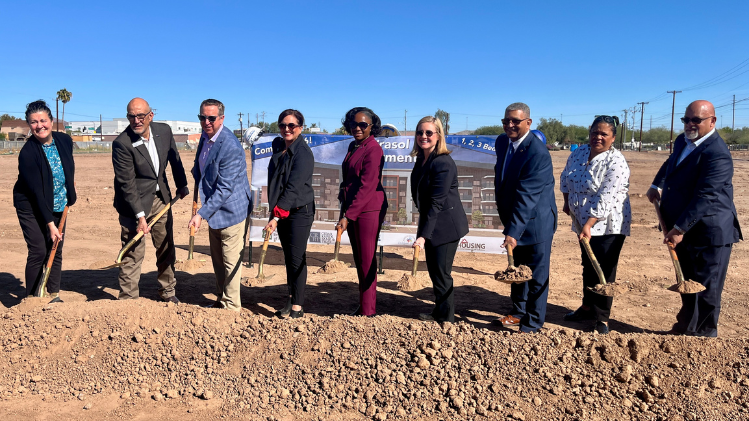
(413, 283)
(333, 266)
(189, 265)
(609, 290)
(514, 274)
(687, 287)
(121, 357)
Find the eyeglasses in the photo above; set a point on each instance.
(362, 125)
(694, 120)
(138, 116)
(514, 121)
(211, 118)
(291, 126)
(428, 133)
(613, 120)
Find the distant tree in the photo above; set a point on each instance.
(402, 216)
(477, 218)
(444, 116)
(553, 129)
(7, 117)
(3, 136)
(489, 130)
(656, 135)
(65, 96)
(341, 130)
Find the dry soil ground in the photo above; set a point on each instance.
(92, 357)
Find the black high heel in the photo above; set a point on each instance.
(284, 312)
(296, 314)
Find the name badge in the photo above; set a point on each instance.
(138, 143)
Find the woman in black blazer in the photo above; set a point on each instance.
(291, 201)
(442, 221)
(45, 186)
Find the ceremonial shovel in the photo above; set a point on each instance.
(192, 264)
(607, 290)
(513, 275)
(260, 274)
(334, 265)
(50, 260)
(682, 286)
(138, 236)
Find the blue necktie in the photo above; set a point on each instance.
(510, 152)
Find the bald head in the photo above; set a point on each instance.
(139, 115)
(702, 111)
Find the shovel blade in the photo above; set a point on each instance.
(112, 266)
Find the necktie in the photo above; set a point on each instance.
(510, 152)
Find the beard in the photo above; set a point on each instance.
(691, 134)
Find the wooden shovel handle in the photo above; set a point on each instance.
(593, 260)
(339, 232)
(51, 259)
(265, 241)
(195, 199)
(671, 251)
(510, 257)
(416, 260)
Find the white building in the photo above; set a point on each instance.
(118, 125)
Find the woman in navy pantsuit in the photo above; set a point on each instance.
(363, 203)
(442, 220)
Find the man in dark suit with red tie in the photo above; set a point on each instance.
(524, 191)
(141, 190)
(695, 187)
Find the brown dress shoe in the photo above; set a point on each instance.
(508, 320)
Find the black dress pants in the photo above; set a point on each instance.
(440, 265)
(293, 232)
(606, 248)
(39, 244)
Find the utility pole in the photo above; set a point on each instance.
(263, 114)
(651, 122)
(642, 114)
(257, 122)
(405, 121)
(101, 128)
(673, 104)
(733, 121)
(624, 130)
(241, 130)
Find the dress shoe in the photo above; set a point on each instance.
(579, 315)
(508, 320)
(172, 299)
(427, 317)
(215, 304)
(602, 328)
(294, 314)
(284, 312)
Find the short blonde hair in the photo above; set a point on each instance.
(441, 147)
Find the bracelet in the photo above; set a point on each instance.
(275, 218)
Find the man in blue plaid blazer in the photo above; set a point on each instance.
(220, 170)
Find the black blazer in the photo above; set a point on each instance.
(698, 193)
(290, 175)
(34, 190)
(134, 177)
(434, 190)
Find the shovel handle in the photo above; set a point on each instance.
(593, 260)
(150, 225)
(339, 232)
(416, 260)
(510, 257)
(51, 259)
(671, 251)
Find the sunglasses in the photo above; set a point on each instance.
(514, 121)
(428, 133)
(291, 126)
(694, 120)
(362, 125)
(211, 118)
(138, 116)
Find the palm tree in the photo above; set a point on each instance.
(65, 96)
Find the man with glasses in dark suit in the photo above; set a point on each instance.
(141, 190)
(695, 189)
(524, 191)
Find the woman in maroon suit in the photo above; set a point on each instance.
(363, 203)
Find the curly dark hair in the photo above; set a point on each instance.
(349, 118)
(38, 106)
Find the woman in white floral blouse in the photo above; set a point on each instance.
(595, 185)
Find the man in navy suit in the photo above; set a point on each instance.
(221, 170)
(524, 191)
(696, 191)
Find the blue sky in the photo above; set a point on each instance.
(568, 60)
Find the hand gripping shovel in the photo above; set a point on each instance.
(137, 237)
(682, 286)
(335, 265)
(260, 274)
(51, 259)
(603, 288)
(513, 275)
(191, 264)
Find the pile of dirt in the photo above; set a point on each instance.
(333, 266)
(409, 282)
(514, 274)
(189, 265)
(142, 354)
(687, 287)
(609, 290)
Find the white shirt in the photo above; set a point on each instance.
(154, 154)
(515, 144)
(598, 188)
(692, 146)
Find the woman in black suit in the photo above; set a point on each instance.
(442, 221)
(45, 186)
(292, 204)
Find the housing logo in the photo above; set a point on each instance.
(465, 245)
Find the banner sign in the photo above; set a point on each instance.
(474, 156)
